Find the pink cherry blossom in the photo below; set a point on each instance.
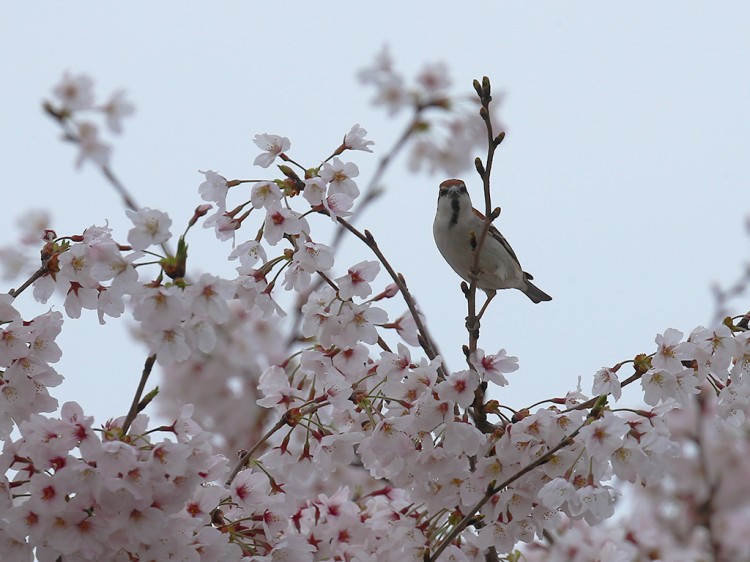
(115, 109)
(606, 382)
(355, 139)
(252, 490)
(281, 221)
(249, 253)
(207, 298)
(315, 190)
(151, 227)
(339, 176)
(670, 351)
(273, 145)
(265, 194)
(434, 78)
(459, 387)
(338, 205)
(322, 435)
(75, 91)
(356, 281)
(214, 188)
(90, 146)
(492, 367)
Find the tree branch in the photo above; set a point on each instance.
(426, 341)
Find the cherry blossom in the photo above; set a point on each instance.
(332, 432)
(356, 281)
(315, 190)
(90, 146)
(355, 139)
(606, 382)
(151, 227)
(249, 253)
(390, 88)
(658, 385)
(338, 205)
(358, 323)
(669, 352)
(252, 490)
(115, 109)
(339, 176)
(604, 436)
(75, 91)
(281, 221)
(207, 298)
(492, 367)
(273, 145)
(459, 387)
(265, 194)
(434, 78)
(14, 262)
(33, 225)
(214, 188)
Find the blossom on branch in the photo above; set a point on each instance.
(355, 139)
(151, 227)
(272, 145)
(75, 91)
(303, 424)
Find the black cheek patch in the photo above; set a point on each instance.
(456, 208)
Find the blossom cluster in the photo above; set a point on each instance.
(27, 350)
(326, 429)
(445, 143)
(92, 495)
(696, 507)
(227, 377)
(75, 98)
(15, 259)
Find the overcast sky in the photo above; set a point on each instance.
(623, 178)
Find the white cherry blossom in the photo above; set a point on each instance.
(151, 227)
(272, 145)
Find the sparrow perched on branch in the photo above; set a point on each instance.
(457, 229)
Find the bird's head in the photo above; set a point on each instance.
(454, 204)
(453, 188)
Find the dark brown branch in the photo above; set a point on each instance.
(485, 171)
(134, 407)
(492, 490)
(424, 337)
(26, 284)
(371, 193)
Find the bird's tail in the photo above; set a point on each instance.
(535, 293)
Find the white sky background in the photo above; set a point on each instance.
(623, 178)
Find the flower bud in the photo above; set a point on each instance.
(200, 211)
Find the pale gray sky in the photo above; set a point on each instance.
(623, 179)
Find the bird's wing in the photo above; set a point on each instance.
(495, 233)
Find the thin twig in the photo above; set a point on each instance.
(591, 401)
(26, 284)
(284, 420)
(706, 510)
(371, 193)
(127, 198)
(242, 462)
(71, 134)
(492, 490)
(425, 340)
(133, 412)
(472, 321)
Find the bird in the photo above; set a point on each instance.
(457, 229)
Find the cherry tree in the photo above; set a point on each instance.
(306, 420)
